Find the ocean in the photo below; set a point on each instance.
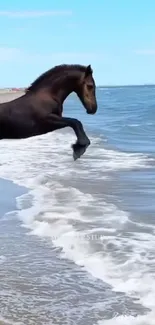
(77, 238)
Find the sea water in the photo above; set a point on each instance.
(77, 239)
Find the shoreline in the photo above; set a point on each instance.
(22, 90)
(13, 190)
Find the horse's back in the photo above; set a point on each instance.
(26, 117)
(16, 120)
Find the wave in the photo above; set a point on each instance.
(45, 165)
(130, 320)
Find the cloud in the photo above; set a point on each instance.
(145, 52)
(35, 13)
(18, 55)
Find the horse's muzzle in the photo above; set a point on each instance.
(92, 110)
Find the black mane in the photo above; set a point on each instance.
(55, 72)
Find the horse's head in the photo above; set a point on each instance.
(63, 79)
(86, 91)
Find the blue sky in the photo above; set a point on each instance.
(117, 37)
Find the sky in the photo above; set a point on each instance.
(117, 37)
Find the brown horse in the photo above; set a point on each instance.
(39, 110)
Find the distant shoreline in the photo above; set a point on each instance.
(11, 90)
(23, 89)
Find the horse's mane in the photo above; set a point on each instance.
(54, 73)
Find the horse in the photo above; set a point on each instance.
(39, 110)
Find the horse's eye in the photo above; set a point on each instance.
(90, 87)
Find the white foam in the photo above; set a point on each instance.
(39, 163)
(130, 320)
(51, 154)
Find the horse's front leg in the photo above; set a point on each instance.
(77, 126)
(83, 141)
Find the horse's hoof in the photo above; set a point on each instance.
(78, 150)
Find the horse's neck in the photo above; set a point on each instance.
(62, 94)
(64, 88)
(58, 91)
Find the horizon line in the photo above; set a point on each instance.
(97, 86)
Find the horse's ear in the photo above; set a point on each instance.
(89, 71)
